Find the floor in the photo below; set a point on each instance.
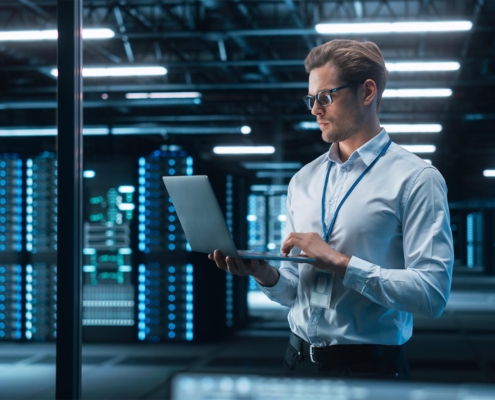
(457, 348)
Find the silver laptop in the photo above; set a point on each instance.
(203, 222)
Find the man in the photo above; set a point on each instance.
(374, 216)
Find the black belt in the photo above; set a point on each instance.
(344, 354)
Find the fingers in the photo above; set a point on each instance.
(230, 264)
(219, 259)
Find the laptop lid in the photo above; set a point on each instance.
(200, 215)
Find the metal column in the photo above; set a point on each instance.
(69, 253)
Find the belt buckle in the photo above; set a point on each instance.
(311, 353)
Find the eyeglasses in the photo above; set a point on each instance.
(324, 97)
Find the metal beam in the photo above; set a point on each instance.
(239, 63)
(249, 86)
(123, 35)
(69, 253)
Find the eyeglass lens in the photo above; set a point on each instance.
(324, 99)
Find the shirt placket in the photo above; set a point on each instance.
(332, 195)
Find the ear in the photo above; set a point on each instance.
(369, 92)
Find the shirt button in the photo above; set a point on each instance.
(332, 201)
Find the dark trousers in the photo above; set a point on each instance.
(388, 363)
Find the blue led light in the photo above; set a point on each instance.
(171, 316)
(171, 335)
(171, 218)
(171, 246)
(189, 336)
(171, 297)
(171, 269)
(171, 307)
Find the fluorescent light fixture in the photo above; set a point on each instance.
(275, 174)
(51, 34)
(176, 130)
(164, 95)
(390, 128)
(126, 206)
(119, 71)
(89, 268)
(422, 66)
(272, 165)
(89, 174)
(412, 128)
(126, 189)
(89, 251)
(125, 268)
(394, 27)
(419, 148)
(13, 132)
(245, 130)
(394, 93)
(244, 149)
(489, 173)
(269, 188)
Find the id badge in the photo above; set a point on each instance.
(320, 294)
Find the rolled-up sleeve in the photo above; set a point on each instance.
(285, 290)
(423, 286)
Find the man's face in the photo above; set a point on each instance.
(344, 117)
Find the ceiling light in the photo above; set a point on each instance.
(164, 95)
(89, 174)
(119, 71)
(269, 188)
(390, 128)
(13, 132)
(393, 93)
(51, 34)
(176, 130)
(419, 148)
(272, 165)
(274, 174)
(393, 27)
(246, 130)
(412, 128)
(489, 173)
(422, 66)
(244, 150)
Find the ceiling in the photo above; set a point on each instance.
(246, 59)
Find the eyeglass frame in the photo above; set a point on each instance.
(330, 91)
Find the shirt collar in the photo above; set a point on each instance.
(368, 151)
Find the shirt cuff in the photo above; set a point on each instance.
(356, 275)
(284, 285)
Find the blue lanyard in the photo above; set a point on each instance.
(327, 233)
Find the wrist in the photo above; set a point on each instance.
(268, 276)
(341, 265)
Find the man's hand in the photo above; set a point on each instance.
(260, 270)
(315, 247)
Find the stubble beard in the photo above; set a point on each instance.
(344, 131)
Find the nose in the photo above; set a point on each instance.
(317, 109)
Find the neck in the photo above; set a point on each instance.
(348, 146)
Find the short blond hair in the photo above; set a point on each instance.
(355, 61)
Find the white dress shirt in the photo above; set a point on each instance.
(395, 226)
